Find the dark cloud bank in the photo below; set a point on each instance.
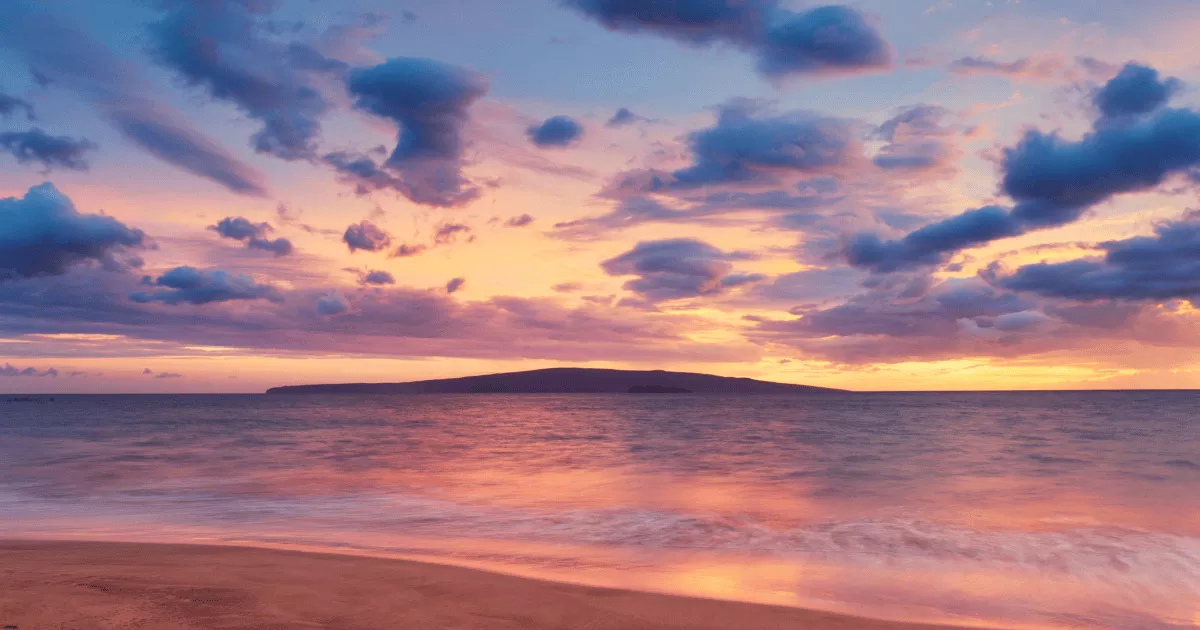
(1134, 145)
(822, 40)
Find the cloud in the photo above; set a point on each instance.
(220, 45)
(745, 147)
(1136, 90)
(752, 160)
(45, 235)
(678, 268)
(1053, 181)
(168, 375)
(379, 278)
(430, 101)
(557, 131)
(950, 319)
(519, 221)
(1037, 67)
(10, 104)
(50, 151)
(929, 245)
(742, 147)
(386, 321)
(705, 205)
(1143, 268)
(1030, 67)
(455, 284)
(332, 304)
(935, 314)
(831, 39)
(291, 218)
(188, 285)
(254, 235)
(9, 370)
(366, 236)
(72, 59)
(622, 118)
(917, 140)
(447, 233)
(407, 251)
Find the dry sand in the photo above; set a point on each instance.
(92, 586)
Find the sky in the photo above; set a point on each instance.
(228, 195)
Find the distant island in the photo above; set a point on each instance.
(568, 381)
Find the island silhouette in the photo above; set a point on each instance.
(568, 381)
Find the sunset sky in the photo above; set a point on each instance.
(227, 195)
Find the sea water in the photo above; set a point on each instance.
(1020, 510)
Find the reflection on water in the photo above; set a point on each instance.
(1040, 510)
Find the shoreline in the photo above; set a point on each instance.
(89, 585)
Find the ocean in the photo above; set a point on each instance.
(1017, 510)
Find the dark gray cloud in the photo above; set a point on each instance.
(254, 235)
(37, 146)
(430, 101)
(74, 60)
(9, 369)
(10, 104)
(918, 139)
(520, 221)
(693, 22)
(223, 47)
(366, 236)
(831, 39)
(241, 229)
(1053, 181)
(1143, 268)
(930, 245)
(745, 147)
(623, 117)
(332, 304)
(678, 268)
(455, 284)
(407, 251)
(44, 235)
(188, 285)
(379, 278)
(557, 131)
(447, 233)
(822, 40)
(1137, 89)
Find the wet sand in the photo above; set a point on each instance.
(110, 586)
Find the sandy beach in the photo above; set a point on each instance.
(103, 586)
